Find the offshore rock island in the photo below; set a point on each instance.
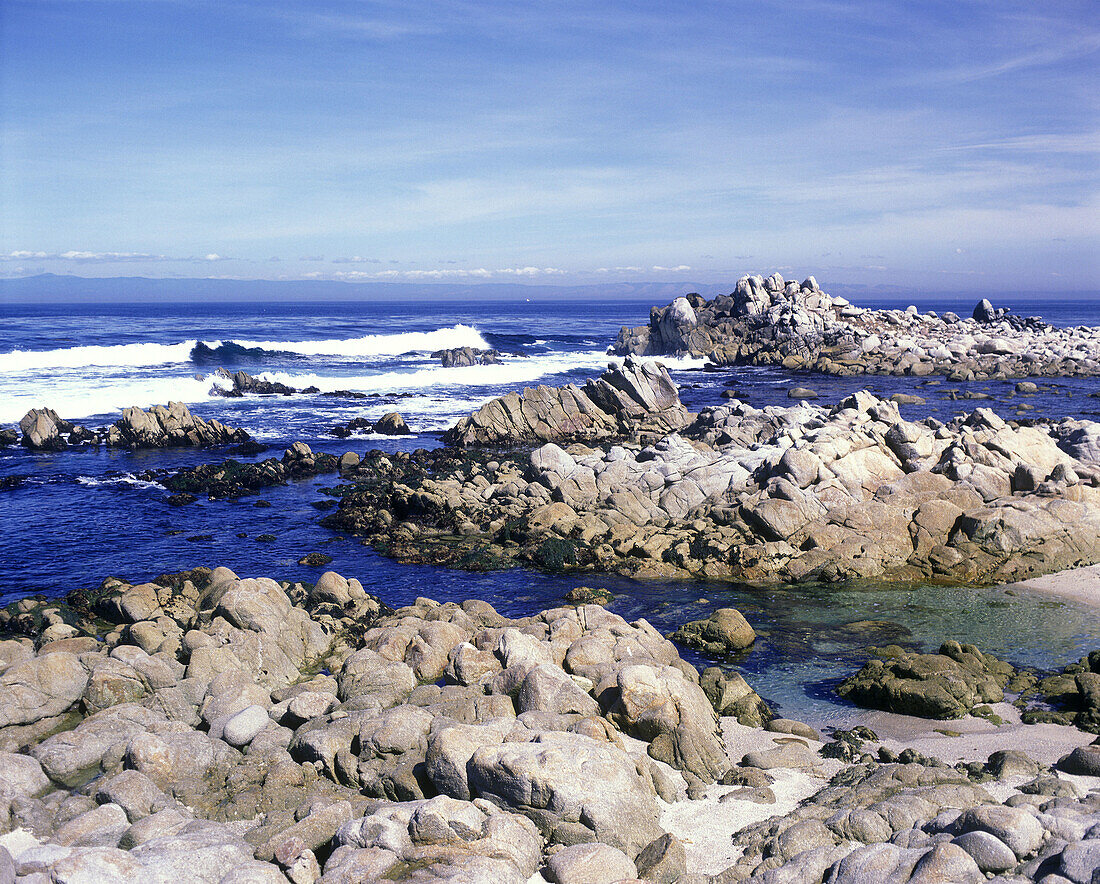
(796, 325)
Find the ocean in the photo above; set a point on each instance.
(69, 519)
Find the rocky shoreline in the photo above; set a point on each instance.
(796, 325)
(804, 493)
(208, 728)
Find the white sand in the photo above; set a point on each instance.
(707, 826)
(1079, 584)
(978, 738)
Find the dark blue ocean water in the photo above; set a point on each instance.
(79, 516)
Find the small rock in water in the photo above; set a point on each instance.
(801, 393)
(586, 595)
(724, 632)
(266, 538)
(315, 559)
(392, 424)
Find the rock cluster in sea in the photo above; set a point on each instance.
(208, 728)
(777, 322)
(390, 424)
(806, 492)
(159, 427)
(232, 478)
(461, 357)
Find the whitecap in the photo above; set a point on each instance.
(127, 479)
(380, 344)
(145, 354)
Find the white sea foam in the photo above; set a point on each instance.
(512, 371)
(80, 396)
(150, 354)
(381, 345)
(126, 479)
(78, 357)
(76, 398)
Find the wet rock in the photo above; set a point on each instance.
(243, 383)
(723, 632)
(42, 429)
(944, 685)
(167, 427)
(392, 424)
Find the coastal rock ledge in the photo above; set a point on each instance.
(777, 322)
(760, 495)
(214, 729)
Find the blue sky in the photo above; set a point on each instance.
(934, 145)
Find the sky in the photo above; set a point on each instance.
(935, 145)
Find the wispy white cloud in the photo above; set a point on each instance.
(83, 256)
(477, 273)
(1060, 51)
(1049, 143)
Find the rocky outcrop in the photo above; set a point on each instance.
(948, 684)
(777, 322)
(160, 427)
(637, 399)
(243, 383)
(460, 357)
(224, 730)
(778, 494)
(206, 736)
(170, 427)
(42, 430)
